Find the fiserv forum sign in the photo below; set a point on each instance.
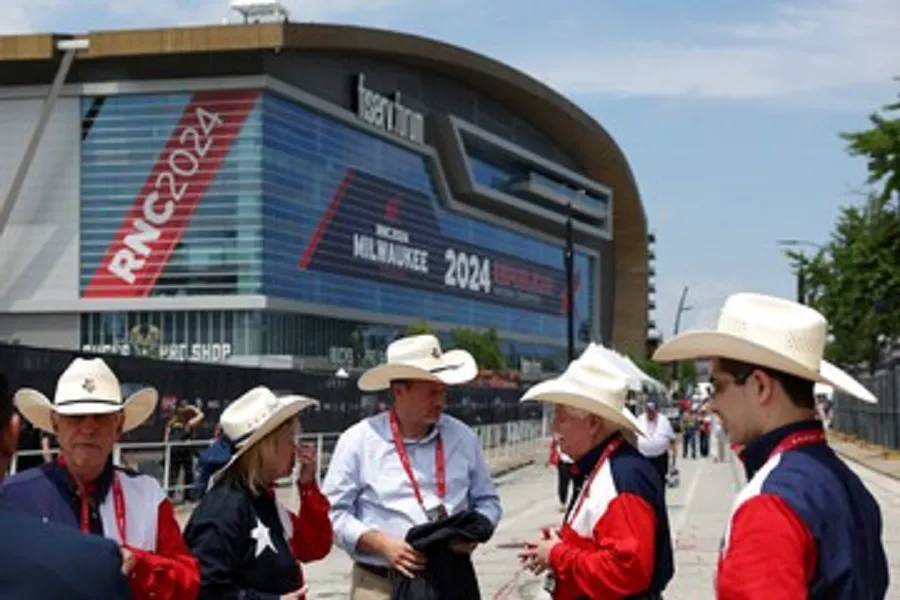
(388, 113)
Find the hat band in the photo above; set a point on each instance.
(88, 401)
(445, 368)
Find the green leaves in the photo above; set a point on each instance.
(483, 345)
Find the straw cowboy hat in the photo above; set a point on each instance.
(86, 387)
(592, 384)
(420, 357)
(769, 332)
(252, 417)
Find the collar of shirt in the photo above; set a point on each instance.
(100, 486)
(586, 464)
(757, 452)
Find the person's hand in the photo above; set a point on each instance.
(535, 557)
(403, 557)
(463, 546)
(128, 561)
(298, 595)
(306, 456)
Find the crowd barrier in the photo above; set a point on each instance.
(498, 441)
(873, 423)
(211, 387)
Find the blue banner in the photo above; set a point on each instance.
(400, 241)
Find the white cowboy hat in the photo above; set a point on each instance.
(86, 387)
(592, 384)
(769, 332)
(419, 357)
(253, 416)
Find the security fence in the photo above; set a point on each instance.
(210, 387)
(498, 441)
(874, 423)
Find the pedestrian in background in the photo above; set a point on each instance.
(563, 463)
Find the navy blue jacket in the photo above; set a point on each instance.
(805, 526)
(45, 560)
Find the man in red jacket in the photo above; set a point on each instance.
(84, 490)
(805, 526)
(615, 540)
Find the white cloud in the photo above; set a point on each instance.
(801, 49)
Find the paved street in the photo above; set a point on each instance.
(698, 510)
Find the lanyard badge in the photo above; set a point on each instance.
(435, 513)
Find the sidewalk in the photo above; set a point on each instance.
(877, 458)
(498, 465)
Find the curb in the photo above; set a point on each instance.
(853, 459)
(505, 469)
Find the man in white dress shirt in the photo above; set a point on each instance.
(660, 437)
(406, 466)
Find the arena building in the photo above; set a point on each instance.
(297, 194)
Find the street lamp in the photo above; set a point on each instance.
(801, 280)
(569, 260)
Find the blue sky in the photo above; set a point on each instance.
(728, 110)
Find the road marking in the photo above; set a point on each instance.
(688, 501)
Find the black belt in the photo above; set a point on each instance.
(383, 572)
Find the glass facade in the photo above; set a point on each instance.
(147, 157)
(306, 161)
(215, 336)
(245, 192)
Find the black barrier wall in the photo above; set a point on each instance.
(212, 387)
(874, 423)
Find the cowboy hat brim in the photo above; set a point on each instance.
(291, 407)
(695, 345)
(37, 408)
(559, 392)
(455, 367)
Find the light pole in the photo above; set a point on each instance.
(569, 259)
(801, 278)
(682, 308)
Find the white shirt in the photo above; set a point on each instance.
(659, 435)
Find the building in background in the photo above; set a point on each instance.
(298, 194)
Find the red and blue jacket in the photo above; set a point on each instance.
(618, 544)
(164, 569)
(804, 526)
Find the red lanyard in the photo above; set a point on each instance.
(439, 467)
(118, 507)
(799, 439)
(586, 488)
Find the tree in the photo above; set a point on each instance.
(880, 146)
(418, 328)
(483, 345)
(652, 368)
(854, 281)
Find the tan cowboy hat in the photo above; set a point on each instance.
(253, 416)
(592, 384)
(86, 387)
(419, 357)
(769, 332)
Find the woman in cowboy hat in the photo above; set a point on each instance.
(801, 499)
(247, 542)
(84, 490)
(615, 541)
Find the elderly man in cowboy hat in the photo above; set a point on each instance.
(407, 466)
(804, 526)
(614, 541)
(42, 560)
(84, 490)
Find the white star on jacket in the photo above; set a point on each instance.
(260, 533)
